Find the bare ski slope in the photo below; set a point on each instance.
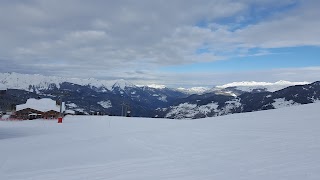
(276, 144)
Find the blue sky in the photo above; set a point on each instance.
(294, 57)
(175, 43)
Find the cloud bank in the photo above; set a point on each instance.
(135, 39)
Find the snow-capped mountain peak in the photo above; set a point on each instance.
(193, 90)
(156, 86)
(2, 87)
(122, 84)
(269, 86)
(40, 82)
(24, 81)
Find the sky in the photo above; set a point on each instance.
(171, 42)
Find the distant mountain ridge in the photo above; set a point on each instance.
(30, 82)
(24, 81)
(89, 96)
(249, 86)
(211, 104)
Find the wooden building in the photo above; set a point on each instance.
(39, 108)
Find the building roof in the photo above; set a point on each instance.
(43, 105)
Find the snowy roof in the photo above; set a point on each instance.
(43, 105)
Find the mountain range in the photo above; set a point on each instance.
(92, 96)
(211, 104)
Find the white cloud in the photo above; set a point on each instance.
(116, 39)
(296, 28)
(210, 79)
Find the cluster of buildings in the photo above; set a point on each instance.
(45, 108)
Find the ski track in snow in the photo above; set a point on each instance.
(274, 144)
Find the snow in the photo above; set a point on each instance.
(183, 110)
(230, 93)
(229, 106)
(282, 102)
(69, 111)
(188, 111)
(205, 109)
(193, 90)
(2, 87)
(72, 105)
(105, 104)
(156, 86)
(313, 99)
(251, 85)
(43, 105)
(79, 110)
(6, 116)
(163, 98)
(122, 84)
(275, 144)
(40, 82)
(23, 81)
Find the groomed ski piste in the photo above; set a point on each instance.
(281, 144)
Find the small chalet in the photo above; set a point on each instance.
(39, 108)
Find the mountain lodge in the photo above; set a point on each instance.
(39, 108)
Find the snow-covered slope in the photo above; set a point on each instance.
(249, 86)
(275, 144)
